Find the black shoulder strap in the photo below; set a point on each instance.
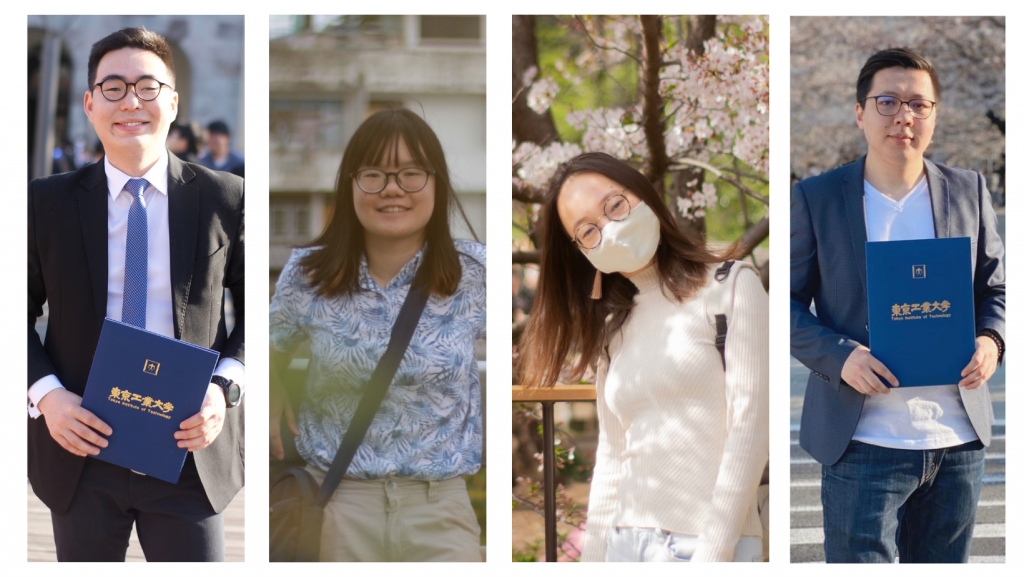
(401, 334)
(721, 326)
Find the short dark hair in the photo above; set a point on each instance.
(893, 58)
(131, 38)
(333, 268)
(219, 127)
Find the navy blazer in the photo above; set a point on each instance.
(827, 267)
(67, 268)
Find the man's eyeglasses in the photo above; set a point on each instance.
(588, 235)
(374, 180)
(891, 106)
(114, 89)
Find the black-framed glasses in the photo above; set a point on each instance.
(891, 106)
(588, 234)
(114, 89)
(410, 179)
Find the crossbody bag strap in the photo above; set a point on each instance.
(401, 334)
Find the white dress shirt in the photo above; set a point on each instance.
(159, 307)
(913, 417)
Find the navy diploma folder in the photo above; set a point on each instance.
(144, 385)
(921, 308)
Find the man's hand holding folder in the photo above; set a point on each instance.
(200, 430)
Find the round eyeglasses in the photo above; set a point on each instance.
(114, 89)
(891, 106)
(374, 180)
(588, 235)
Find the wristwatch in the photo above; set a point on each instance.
(232, 392)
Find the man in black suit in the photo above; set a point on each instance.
(89, 232)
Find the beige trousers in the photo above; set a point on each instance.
(399, 520)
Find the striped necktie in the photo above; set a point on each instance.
(136, 256)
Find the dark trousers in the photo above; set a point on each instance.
(175, 522)
(878, 502)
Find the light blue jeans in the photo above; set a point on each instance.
(628, 544)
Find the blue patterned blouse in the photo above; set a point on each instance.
(429, 425)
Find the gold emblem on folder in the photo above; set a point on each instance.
(151, 367)
(919, 271)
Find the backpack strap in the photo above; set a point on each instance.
(721, 324)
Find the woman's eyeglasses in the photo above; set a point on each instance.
(374, 180)
(588, 235)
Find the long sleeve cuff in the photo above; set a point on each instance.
(38, 390)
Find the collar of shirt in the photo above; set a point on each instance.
(155, 176)
(404, 277)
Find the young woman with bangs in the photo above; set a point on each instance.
(403, 497)
(683, 429)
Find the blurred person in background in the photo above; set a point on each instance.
(403, 497)
(219, 155)
(182, 142)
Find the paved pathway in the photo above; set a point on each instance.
(806, 538)
(40, 532)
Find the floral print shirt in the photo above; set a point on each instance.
(429, 424)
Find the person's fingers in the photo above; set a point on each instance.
(197, 431)
(196, 443)
(876, 384)
(86, 416)
(974, 383)
(974, 363)
(63, 442)
(78, 442)
(197, 419)
(880, 369)
(276, 447)
(862, 386)
(87, 434)
(289, 417)
(970, 379)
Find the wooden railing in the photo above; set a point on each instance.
(547, 398)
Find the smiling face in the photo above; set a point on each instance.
(393, 214)
(132, 127)
(582, 200)
(899, 139)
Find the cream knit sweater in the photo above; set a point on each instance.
(683, 443)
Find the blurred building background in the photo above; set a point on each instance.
(208, 51)
(329, 73)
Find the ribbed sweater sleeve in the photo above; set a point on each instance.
(604, 486)
(746, 446)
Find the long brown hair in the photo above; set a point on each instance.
(565, 320)
(333, 270)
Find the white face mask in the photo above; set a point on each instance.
(627, 245)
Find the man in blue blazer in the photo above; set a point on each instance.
(901, 468)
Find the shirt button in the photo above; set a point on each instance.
(391, 485)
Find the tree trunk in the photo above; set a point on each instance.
(653, 105)
(699, 29)
(527, 125)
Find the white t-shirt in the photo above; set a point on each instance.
(914, 417)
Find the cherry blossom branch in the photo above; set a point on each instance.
(717, 172)
(594, 42)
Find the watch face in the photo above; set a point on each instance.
(234, 394)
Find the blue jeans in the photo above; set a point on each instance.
(922, 504)
(627, 544)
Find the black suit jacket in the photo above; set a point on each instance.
(67, 267)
